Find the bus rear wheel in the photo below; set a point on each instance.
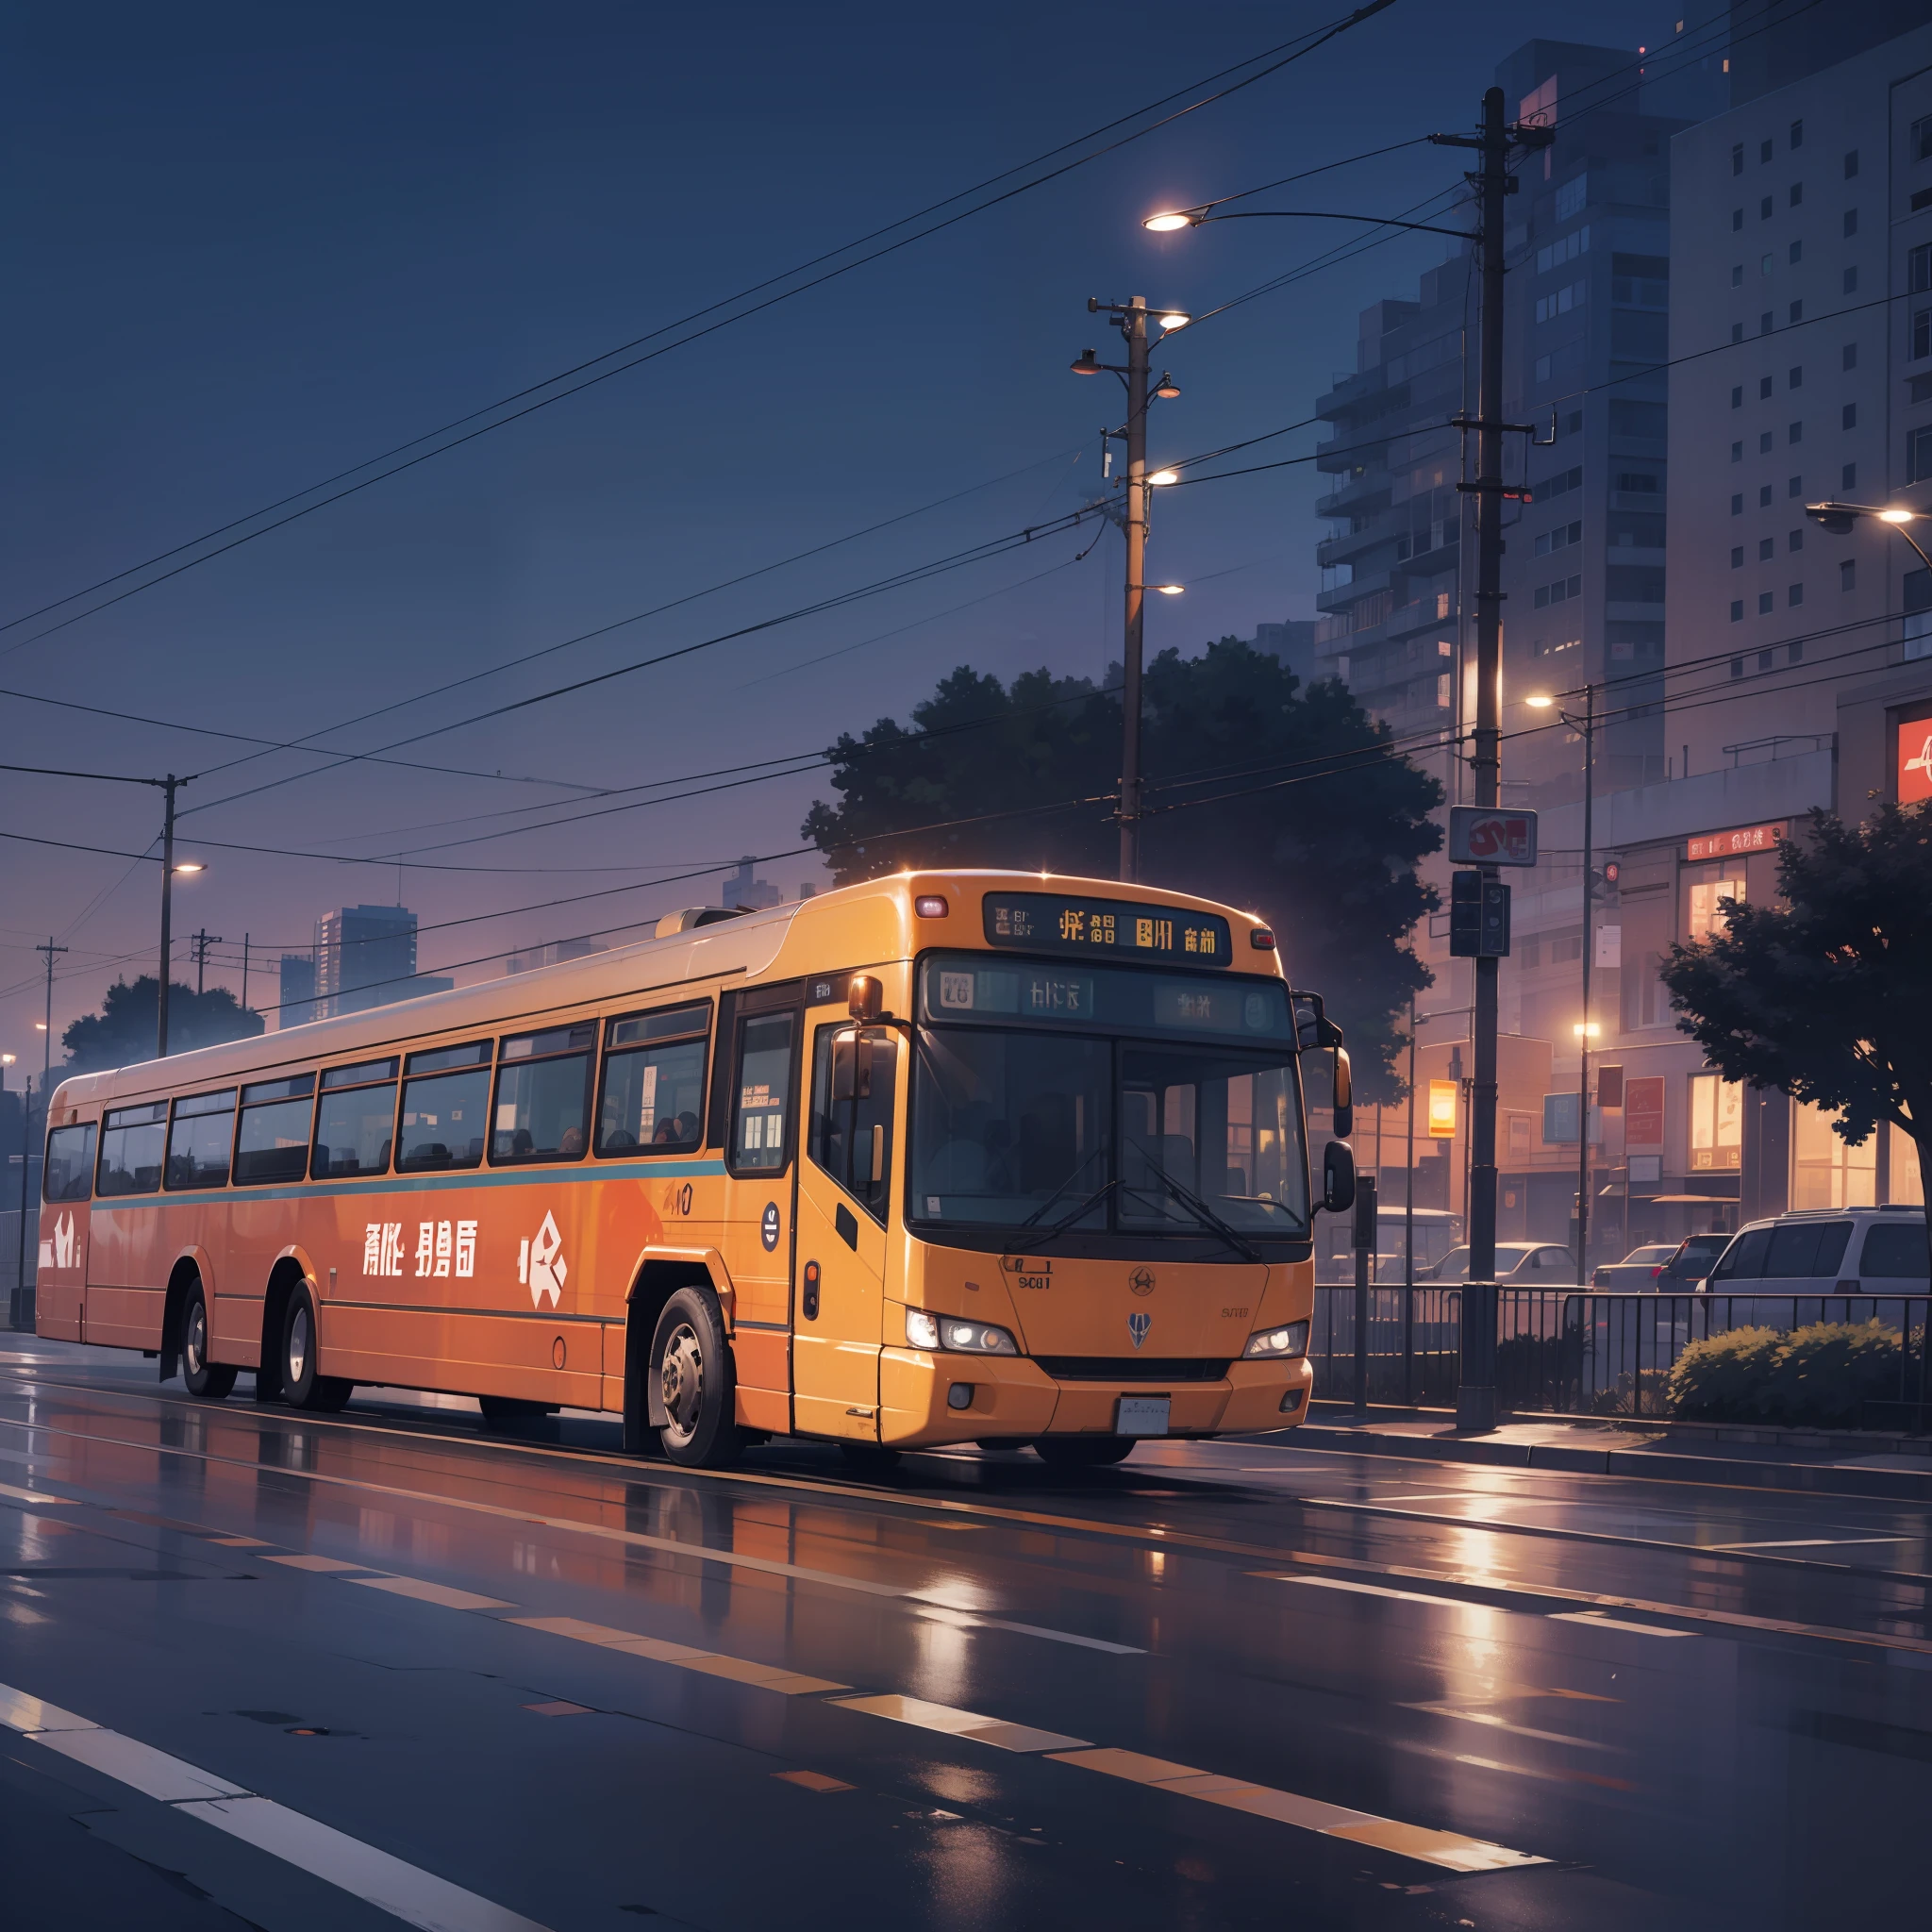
(212, 1381)
(692, 1382)
(303, 1385)
(1085, 1452)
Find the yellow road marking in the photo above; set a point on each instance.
(431, 1593)
(958, 1724)
(711, 1664)
(319, 1566)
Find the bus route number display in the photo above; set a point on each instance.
(1117, 928)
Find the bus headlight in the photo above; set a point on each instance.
(1284, 1343)
(923, 1330)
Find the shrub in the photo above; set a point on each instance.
(1816, 1376)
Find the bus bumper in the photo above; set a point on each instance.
(932, 1399)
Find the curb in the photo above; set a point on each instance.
(1892, 1485)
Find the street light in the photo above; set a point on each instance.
(1171, 589)
(1172, 219)
(1838, 518)
(1162, 479)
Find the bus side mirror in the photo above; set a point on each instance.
(866, 999)
(1337, 1177)
(1344, 1096)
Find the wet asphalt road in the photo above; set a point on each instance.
(403, 1671)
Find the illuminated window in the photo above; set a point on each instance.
(1717, 1123)
(1704, 918)
(1824, 1171)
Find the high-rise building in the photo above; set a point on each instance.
(365, 956)
(553, 954)
(748, 894)
(295, 1002)
(1292, 642)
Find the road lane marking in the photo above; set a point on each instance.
(1412, 1596)
(1812, 1543)
(959, 1724)
(429, 1592)
(404, 1890)
(27, 1495)
(1597, 1621)
(1494, 1722)
(319, 1566)
(812, 1781)
(760, 1676)
(1448, 1849)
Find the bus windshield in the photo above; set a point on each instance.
(1057, 1126)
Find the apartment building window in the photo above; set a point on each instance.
(1797, 313)
(1559, 539)
(1736, 557)
(1737, 219)
(1795, 252)
(1849, 357)
(1794, 433)
(1848, 477)
(1848, 416)
(1848, 574)
(1737, 452)
(1763, 152)
(1921, 334)
(1795, 486)
(1766, 600)
(1767, 549)
(1794, 595)
(1795, 379)
(1922, 139)
(1797, 134)
(1851, 223)
(1717, 1121)
(1764, 439)
(1765, 324)
(1737, 503)
(1738, 158)
(1852, 165)
(1796, 541)
(1919, 454)
(1764, 496)
(1764, 207)
(1737, 274)
(1736, 617)
(1737, 395)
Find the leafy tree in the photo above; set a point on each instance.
(122, 1032)
(1825, 996)
(1257, 793)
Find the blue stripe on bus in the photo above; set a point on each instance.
(418, 1183)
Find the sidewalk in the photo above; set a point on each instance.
(1898, 1468)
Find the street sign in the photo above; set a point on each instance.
(1442, 1110)
(1478, 917)
(1480, 835)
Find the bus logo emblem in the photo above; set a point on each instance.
(541, 1263)
(1138, 1325)
(1141, 1281)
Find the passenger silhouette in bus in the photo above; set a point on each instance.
(572, 1142)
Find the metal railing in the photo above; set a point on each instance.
(1577, 1352)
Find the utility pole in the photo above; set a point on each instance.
(1130, 318)
(26, 1107)
(47, 1047)
(170, 783)
(203, 941)
(244, 972)
(1475, 1402)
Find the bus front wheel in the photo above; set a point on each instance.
(694, 1393)
(1085, 1452)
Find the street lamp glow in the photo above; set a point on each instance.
(190, 865)
(1169, 589)
(1583, 1032)
(1162, 479)
(7, 1060)
(1167, 223)
(1539, 701)
(1174, 320)
(1896, 516)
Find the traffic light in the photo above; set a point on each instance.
(1478, 917)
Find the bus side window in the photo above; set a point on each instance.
(69, 1172)
(759, 1142)
(852, 1094)
(654, 1081)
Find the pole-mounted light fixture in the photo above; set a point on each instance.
(1088, 363)
(1162, 479)
(1167, 389)
(1166, 224)
(1171, 589)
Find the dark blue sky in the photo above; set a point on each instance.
(250, 246)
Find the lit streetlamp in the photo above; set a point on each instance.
(1838, 518)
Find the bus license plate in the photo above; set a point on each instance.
(1142, 1415)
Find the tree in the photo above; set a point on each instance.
(1285, 801)
(1825, 996)
(122, 1032)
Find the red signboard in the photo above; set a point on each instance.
(1734, 844)
(1481, 835)
(1643, 1111)
(1912, 762)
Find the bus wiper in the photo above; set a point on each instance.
(1202, 1213)
(1066, 1221)
(1080, 1167)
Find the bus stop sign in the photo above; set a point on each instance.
(1481, 835)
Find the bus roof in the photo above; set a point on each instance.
(846, 931)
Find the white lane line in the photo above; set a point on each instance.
(431, 1592)
(1448, 1849)
(1492, 1722)
(1408, 1596)
(711, 1663)
(1807, 1543)
(26, 1495)
(391, 1884)
(1596, 1621)
(960, 1724)
(319, 1566)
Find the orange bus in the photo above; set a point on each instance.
(939, 1158)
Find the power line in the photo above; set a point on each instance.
(1291, 51)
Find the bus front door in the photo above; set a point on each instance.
(841, 1257)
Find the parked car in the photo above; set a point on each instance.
(1848, 1251)
(1695, 1257)
(1638, 1269)
(1521, 1264)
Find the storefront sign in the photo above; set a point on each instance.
(1442, 1110)
(1643, 1111)
(1732, 844)
(1912, 759)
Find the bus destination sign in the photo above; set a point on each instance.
(1113, 928)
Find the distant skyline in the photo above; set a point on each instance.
(252, 248)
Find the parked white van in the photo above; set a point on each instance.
(1844, 1251)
